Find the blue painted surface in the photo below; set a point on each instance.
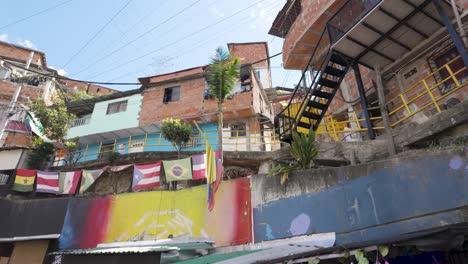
(397, 191)
(101, 122)
(154, 142)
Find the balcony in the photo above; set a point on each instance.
(81, 121)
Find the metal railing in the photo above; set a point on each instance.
(348, 16)
(401, 108)
(288, 118)
(80, 121)
(233, 140)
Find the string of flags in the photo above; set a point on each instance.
(204, 166)
(145, 176)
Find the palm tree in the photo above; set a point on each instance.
(222, 75)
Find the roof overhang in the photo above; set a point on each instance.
(390, 30)
(117, 134)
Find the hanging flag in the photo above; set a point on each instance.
(24, 180)
(198, 167)
(89, 177)
(176, 170)
(68, 181)
(146, 176)
(216, 183)
(47, 182)
(210, 162)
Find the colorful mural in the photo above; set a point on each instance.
(160, 215)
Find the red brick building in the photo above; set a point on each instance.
(422, 68)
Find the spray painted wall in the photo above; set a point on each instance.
(366, 202)
(160, 215)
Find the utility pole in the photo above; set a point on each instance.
(13, 102)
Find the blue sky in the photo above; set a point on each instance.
(147, 37)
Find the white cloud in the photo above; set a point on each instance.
(25, 43)
(214, 10)
(4, 37)
(59, 71)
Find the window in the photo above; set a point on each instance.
(171, 94)
(439, 60)
(117, 107)
(238, 130)
(106, 150)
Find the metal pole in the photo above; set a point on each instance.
(452, 32)
(459, 23)
(383, 111)
(362, 97)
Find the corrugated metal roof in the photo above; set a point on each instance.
(116, 250)
(214, 258)
(182, 244)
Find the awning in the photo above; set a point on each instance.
(10, 158)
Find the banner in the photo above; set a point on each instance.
(24, 180)
(146, 176)
(89, 177)
(47, 182)
(177, 170)
(68, 182)
(199, 167)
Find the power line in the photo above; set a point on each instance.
(137, 38)
(233, 27)
(97, 33)
(113, 83)
(35, 14)
(176, 41)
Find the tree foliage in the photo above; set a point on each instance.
(78, 95)
(303, 151)
(54, 118)
(177, 132)
(222, 74)
(40, 153)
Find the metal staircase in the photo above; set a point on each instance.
(314, 92)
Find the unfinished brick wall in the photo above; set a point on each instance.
(16, 139)
(91, 89)
(18, 53)
(250, 52)
(7, 90)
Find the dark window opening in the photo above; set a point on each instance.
(171, 94)
(439, 60)
(106, 151)
(238, 130)
(117, 107)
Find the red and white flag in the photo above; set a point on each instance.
(199, 167)
(68, 182)
(47, 182)
(146, 176)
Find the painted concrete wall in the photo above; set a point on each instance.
(154, 142)
(101, 122)
(364, 202)
(160, 215)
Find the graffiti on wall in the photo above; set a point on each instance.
(373, 197)
(160, 215)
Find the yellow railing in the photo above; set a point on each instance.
(421, 95)
(235, 140)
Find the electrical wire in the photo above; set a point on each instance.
(234, 27)
(176, 41)
(97, 33)
(35, 14)
(113, 83)
(137, 38)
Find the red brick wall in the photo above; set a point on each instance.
(15, 139)
(249, 52)
(7, 90)
(21, 54)
(92, 89)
